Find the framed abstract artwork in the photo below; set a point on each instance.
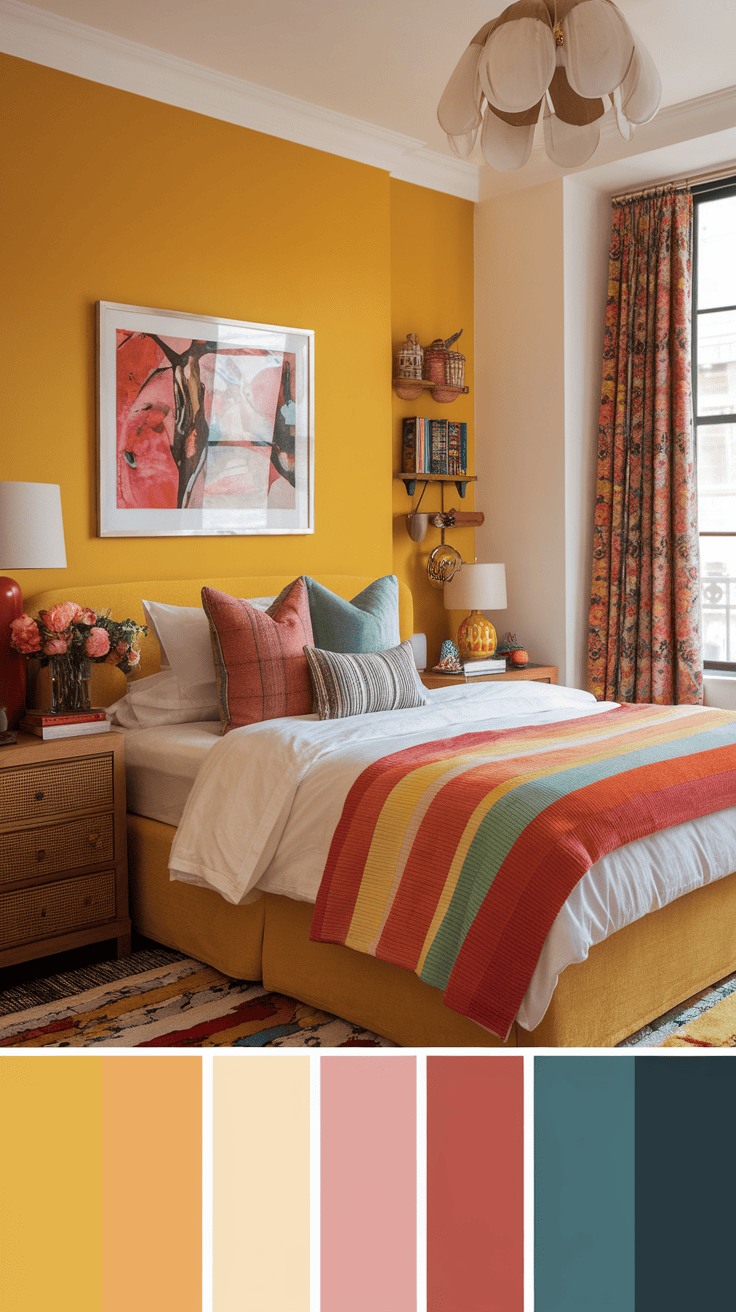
(205, 426)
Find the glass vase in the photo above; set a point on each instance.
(69, 685)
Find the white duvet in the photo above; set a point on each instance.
(265, 803)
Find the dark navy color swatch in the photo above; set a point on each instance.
(685, 1173)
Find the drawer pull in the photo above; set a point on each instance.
(93, 838)
(88, 901)
(40, 853)
(39, 796)
(43, 911)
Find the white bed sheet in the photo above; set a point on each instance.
(266, 800)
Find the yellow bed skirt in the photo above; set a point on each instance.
(628, 980)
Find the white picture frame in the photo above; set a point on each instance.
(205, 425)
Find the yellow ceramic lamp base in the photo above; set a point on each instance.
(476, 637)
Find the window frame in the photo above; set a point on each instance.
(719, 189)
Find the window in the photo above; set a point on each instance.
(714, 399)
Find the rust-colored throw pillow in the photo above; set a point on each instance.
(262, 672)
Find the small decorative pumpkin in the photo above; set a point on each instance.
(519, 657)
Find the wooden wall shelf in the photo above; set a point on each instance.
(410, 388)
(460, 480)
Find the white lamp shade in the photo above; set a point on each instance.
(477, 587)
(31, 526)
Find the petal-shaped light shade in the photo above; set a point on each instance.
(459, 108)
(569, 106)
(462, 145)
(505, 146)
(518, 59)
(569, 145)
(641, 89)
(598, 47)
(625, 127)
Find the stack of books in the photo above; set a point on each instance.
(434, 446)
(45, 724)
(485, 665)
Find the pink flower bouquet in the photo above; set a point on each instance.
(78, 633)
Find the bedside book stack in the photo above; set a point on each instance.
(486, 665)
(47, 725)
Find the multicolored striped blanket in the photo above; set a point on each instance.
(453, 858)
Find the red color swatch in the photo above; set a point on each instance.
(475, 1184)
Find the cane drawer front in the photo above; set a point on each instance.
(35, 913)
(56, 787)
(51, 849)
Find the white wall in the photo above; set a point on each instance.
(520, 422)
(587, 227)
(541, 283)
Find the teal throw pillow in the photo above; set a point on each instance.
(370, 622)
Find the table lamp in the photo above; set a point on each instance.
(476, 588)
(31, 537)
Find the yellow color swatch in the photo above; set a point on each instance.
(50, 1183)
(261, 1184)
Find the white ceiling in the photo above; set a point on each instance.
(386, 61)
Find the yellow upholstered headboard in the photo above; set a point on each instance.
(125, 601)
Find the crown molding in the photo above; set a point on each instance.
(43, 38)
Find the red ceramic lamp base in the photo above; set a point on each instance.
(476, 637)
(12, 664)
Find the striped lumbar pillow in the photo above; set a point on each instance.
(357, 684)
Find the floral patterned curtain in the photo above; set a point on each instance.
(644, 628)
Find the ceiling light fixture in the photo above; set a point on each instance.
(569, 60)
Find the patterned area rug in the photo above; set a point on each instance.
(707, 1020)
(179, 1004)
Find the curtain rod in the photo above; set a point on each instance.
(679, 184)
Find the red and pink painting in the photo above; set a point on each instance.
(212, 426)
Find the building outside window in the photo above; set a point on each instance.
(714, 396)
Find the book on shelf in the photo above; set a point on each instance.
(68, 730)
(64, 717)
(415, 446)
(457, 448)
(433, 446)
(438, 446)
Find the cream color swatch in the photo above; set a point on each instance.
(261, 1183)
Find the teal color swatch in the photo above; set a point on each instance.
(584, 1184)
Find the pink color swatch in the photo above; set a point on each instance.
(368, 1184)
(475, 1173)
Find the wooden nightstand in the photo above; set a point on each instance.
(539, 673)
(63, 862)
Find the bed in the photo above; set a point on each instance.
(634, 975)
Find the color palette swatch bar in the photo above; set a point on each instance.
(348, 1182)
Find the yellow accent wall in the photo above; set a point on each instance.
(111, 196)
(432, 296)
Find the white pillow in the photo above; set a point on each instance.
(161, 699)
(183, 634)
